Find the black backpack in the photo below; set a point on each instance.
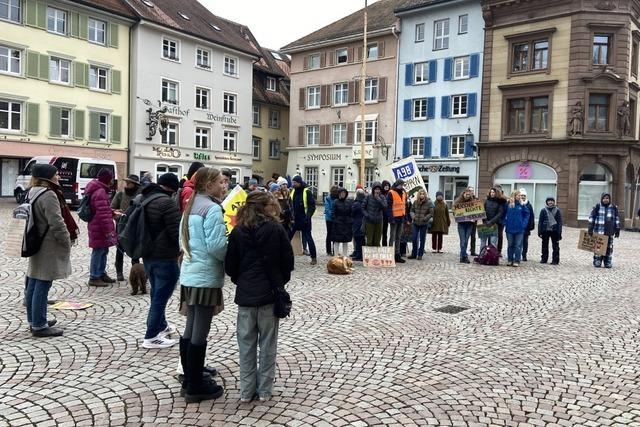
(84, 209)
(133, 233)
(31, 240)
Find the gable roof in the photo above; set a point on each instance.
(199, 22)
(380, 16)
(118, 7)
(408, 5)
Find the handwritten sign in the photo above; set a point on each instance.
(231, 204)
(485, 230)
(597, 243)
(407, 170)
(524, 170)
(469, 211)
(378, 257)
(71, 305)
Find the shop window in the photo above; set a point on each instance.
(594, 180)
(538, 179)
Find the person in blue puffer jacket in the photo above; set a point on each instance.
(204, 244)
(515, 224)
(328, 216)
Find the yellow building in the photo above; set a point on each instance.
(64, 82)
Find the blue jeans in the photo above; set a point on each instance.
(257, 326)
(305, 231)
(98, 266)
(36, 296)
(514, 251)
(419, 233)
(163, 276)
(465, 229)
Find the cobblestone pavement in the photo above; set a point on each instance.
(538, 345)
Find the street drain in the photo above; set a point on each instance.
(451, 309)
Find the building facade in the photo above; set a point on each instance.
(64, 82)
(559, 106)
(325, 120)
(196, 69)
(440, 81)
(270, 116)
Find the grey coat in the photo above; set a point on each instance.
(53, 261)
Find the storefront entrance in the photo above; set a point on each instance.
(539, 180)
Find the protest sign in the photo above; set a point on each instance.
(407, 170)
(485, 230)
(469, 211)
(71, 305)
(375, 256)
(597, 243)
(296, 244)
(231, 204)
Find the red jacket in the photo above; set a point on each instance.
(185, 194)
(102, 230)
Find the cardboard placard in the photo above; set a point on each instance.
(296, 244)
(485, 230)
(597, 243)
(378, 256)
(469, 211)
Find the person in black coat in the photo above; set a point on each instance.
(494, 208)
(357, 213)
(386, 186)
(259, 258)
(530, 226)
(342, 227)
(550, 227)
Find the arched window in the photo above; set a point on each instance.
(595, 179)
(539, 180)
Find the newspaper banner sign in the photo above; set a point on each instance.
(469, 211)
(407, 170)
(378, 256)
(596, 243)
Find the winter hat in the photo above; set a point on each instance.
(253, 181)
(169, 180)
(273, 187)
(603, 196)
(342, 190)
(133, 179)
(105, 176)
(360, 194)
(297, 179)
(282, 181)
(194, 168)
(439, 193)
(359, 187)
(549, 198)
(398, 183)
(43, 171)
(523, 192)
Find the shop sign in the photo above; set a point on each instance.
(231, 158)
(171, 108)
(524, 170)
(368, 152)
(407, 170)
(439, 168)
(201, 156)
(167, 152)
(314, 157)
(222, 118)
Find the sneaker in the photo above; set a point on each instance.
(399, 260)
(106, 279)
(248, 399)
(47, 332)
(170, 330)
(305, 252)
(597, 264)
(515, 264)
(510, 264)
(265, 397)
(314, 261)
(158, 342)
(50, 323)
(121, 278)
(98, 283)
(607, 266)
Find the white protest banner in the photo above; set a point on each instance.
(378, 256)
(407, 170)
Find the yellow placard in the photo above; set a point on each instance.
(469, 211)
(231, 204)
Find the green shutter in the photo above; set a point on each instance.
(113, 35)
(74, 23)
(115, 81)
(41, 19)
(116, 129)
(94, 126)
(33, 118)
(32, 64)
(78, 132)
(31, 13)
(55, 117)
(83, 28)
(44, 67)
(80, 74)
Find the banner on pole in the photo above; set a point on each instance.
(407, 170)
(469, 211)
(231, 204)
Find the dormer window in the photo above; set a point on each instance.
(183, 16)
(272, 84)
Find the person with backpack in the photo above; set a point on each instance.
(421, 215)
(101, 228)
(203, 241)
(342, 227)
(604, 219)
(515, 224)
(441, 223)
(531, 225)
(465, 227)
(304, 206)
(56, 230)
(259, 260)
(120, 204)
(162, 221)
(374, 210)
(357, 215)
(186, 190)
(550, 227)
(494, 208)
(328, 216)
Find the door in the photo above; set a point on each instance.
(10, 171)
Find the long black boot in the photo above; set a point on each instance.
(197, 388)
(184, 346)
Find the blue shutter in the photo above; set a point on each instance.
(444, 111)
(431, 107)
(408, 74)
(444, 146)
(427, 147)
(468, 145)
(407, 110)
(474, 65)
(433, 71)
(448, 68)
(471, 105)
(406, 147)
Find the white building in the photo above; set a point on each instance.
(199, 67)
(440, 82)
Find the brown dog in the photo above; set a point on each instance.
(340, 265)
(138, 279)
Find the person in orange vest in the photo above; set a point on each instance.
(397, 214)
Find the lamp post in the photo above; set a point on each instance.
(363, 74)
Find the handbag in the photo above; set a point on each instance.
(282, 304)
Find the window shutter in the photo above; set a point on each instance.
(300, 136)
(94, 126)
(115, 81)
(350, 54)
(83, 26)
(33, 58)
(41, 15)
(427, 147)
(116, 129)
(113, 35)
(350, 132)
(448, 68)
(31, 13)
(407, 110)
(408, 74)
(33, 118)
(351, 92)
(382, 89)
(324, 95)
(406, 147)
(356, 91)
(81, 72)
(474, 65)
(43, 67)
(444, 112)
(468, 146)
(302, 101)
(332, 57)
(381, 49)
(471, 105)
(359, 53)
(324, 140)
(444, 146)
(323, 59)
(305, 62)
(431, 107)
(78, 124)
(55, 117)
(433, 71)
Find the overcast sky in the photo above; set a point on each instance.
(276, 23)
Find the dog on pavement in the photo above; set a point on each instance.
(340, 265)
(138, 279)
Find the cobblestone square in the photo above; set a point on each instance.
(538, 345)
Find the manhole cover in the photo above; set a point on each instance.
(451, 309)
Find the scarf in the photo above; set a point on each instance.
(551, 217)
(72, 227)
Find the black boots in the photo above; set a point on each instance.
(197, 388)
(399, 259)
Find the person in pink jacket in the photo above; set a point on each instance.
(102, 230)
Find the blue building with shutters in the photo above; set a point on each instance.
(439, 87)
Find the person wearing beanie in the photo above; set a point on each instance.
(441, 223)
(421, 215)
(357, 215)
(605, 219)
(120, 203)
(397, 214)
(342, 227)
(374, 210)
(530, 226)
(515, 223)
(304, 206)
(274, 188)
(252, 185)
(494, 208)
(281, 181)
(501, 223)
(328, 216)
(550, 228)
(101, 228)
(386, 186)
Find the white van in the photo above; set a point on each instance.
(75, 173)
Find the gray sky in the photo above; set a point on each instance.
(276, 23)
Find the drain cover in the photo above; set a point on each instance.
(451, 309)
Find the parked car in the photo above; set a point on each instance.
(75, 173)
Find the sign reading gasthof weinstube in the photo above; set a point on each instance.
(469, 211)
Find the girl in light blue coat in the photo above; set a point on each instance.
(204, 244)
